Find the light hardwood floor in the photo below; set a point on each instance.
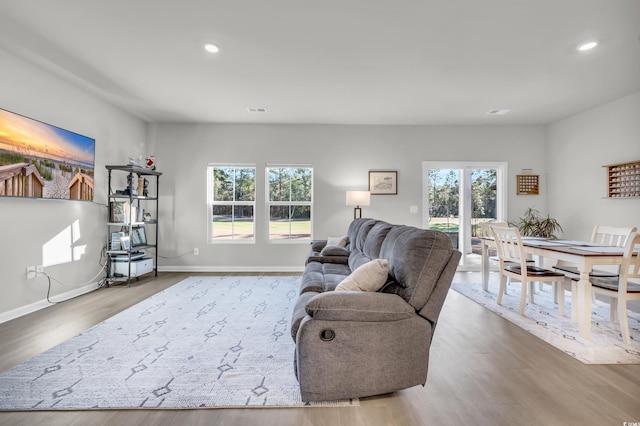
(483, 371)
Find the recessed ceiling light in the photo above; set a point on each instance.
(498, 111)
(587, 46)
(211, 48)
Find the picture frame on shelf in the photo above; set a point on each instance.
(125, 242)
(119, 211)
(138, 236)
(383, 182)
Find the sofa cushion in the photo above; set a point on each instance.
(319, 277)
(357, 241)
(416, 260)
(318, 245)
(375, 237)
(369, 277)
(337, 241)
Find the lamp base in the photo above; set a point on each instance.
(357, 212)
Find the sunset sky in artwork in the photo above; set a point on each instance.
(31, 137)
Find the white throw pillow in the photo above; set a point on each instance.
(370, 276)
(337, 241)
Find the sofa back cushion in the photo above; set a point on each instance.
(357, 242)
(416, 258)
(375, 237)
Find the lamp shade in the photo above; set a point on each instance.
(358, 198)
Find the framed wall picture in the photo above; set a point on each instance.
(383, 182)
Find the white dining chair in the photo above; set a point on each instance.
(607, 236)
(623, 288)
(513, 265)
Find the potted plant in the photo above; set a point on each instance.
(533, 224)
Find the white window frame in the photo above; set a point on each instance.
(269, 203)
(210, 203)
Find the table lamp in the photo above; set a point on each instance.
(357, 199)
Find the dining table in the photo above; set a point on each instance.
(584, 255)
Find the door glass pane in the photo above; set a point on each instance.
(444, 203)
(483, 203)
(459, 199)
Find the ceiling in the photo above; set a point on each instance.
(435, 62)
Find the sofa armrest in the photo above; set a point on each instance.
(334, 251)
(358, 306)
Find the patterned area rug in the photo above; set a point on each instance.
(542, 320)
(204, 342)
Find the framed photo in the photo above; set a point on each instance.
(138, 236)
(383, 182)
(125, 243)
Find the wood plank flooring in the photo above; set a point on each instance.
(483, 371)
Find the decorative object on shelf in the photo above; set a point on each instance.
(151, 162)
(125, 242)
(624, 180)
(140, 185)
(533, 224)
(130, 190)
(357, 199)
(145, 188)
(383, 182)
(119, 211)
(527, 184)
(138, 236)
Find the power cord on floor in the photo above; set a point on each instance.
(101, 283)
(171, 257)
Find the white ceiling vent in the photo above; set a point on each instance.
(256, 109)
(498, 111)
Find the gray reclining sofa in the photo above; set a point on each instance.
(353, 344)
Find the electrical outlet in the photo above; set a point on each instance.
(196, 251)
(31, 272)
(39, 270)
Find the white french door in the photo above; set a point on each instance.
(457, 196)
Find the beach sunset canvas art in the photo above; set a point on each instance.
(39, 160)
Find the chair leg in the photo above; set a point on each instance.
(503, 281)
(559, 296)
(624, 321)
(532, 288)
(574, 300)
(613, 311)
(523, 295)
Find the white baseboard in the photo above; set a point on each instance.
(33, 307)
(231, 269)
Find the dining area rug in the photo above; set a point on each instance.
(605, 345)
(205, 342)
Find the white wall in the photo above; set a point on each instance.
(578, 147)
(568, 155)
(32, 228)
(341, 157)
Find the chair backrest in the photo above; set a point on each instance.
(485, 228)
(509, 245)
(611, 235)
(630, 269)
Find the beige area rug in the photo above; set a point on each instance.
(205, 342)
(542, 320)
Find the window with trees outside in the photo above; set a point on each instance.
(289, 202)
(231, 193)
